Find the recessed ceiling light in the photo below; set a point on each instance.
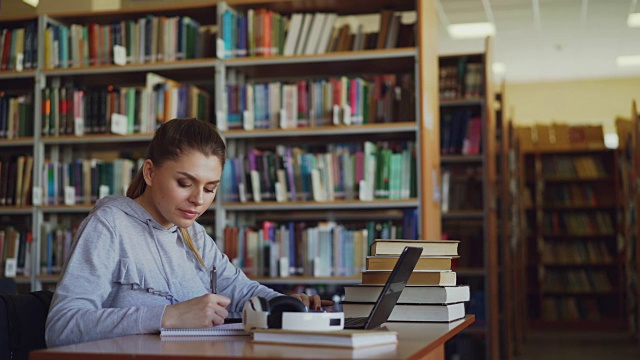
(633, 20)
(628, 60)
(471, 30)
(499, 68)
(33, 3)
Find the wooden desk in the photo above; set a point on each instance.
(415, 341)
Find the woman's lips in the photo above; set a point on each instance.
(189, 214)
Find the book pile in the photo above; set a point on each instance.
(431, 293)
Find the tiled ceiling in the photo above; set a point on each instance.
(572, 39)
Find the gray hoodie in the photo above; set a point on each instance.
(125, 268)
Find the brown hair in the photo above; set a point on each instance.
(170, 141)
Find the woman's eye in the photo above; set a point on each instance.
(209, 190)
(184, 185)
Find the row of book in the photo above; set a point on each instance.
(264, 32)
(19, 47)
(577, 281)
(431, 293)
(459, 190)
(15, 180)
(460, 132)
(574, 308)
(344, 171)
(463, 79)
(577, 252)
(72, 110)
(16, 246)
(573, 195)
(146, 40)
(581, 167)
(578, 223)
(318, 102)
(83, 181)
(16, 115)
(317, 249)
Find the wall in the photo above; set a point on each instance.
(597, 101)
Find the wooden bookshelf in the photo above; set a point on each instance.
(575, 272)
(470, 186)
(628, 131)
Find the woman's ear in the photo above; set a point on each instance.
(147, 171)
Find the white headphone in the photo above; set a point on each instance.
(288, 313)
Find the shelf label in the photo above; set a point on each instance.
(119, 55)
(248, 122)
(119, 124)
(19, 62)
(283, 119)
(36, 195)
(10, 267)
(69, 195)
(103, 191)
(221, 120)
(78, 126)
(242, 190)
(346, 115)
(280, 193)
(220, 52)
(336, 114)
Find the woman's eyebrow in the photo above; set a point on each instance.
(191, 177)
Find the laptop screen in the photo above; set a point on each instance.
(393, 288)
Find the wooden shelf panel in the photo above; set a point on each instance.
(380, 128)
(185, 70)
(601, 264)
(16, 210)
(95, 138)
(462, 102)
(578, 324)
(17, 142)
(577, 237)
(10, 75)
(338, 6)
(455, 159)
(585, 207)
(314, 205)
(329, 64)
(203, 13)
(463, 215)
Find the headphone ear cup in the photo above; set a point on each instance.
(280, 304)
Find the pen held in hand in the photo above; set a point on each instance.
(213, 276)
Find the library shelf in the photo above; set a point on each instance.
(376, 128)
(17, 142)
(452, 159)
(463, 215)
(16, 210)
(95, 139)
(318, 205)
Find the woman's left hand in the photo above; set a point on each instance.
(312, 302)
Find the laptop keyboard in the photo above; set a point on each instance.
(355, 322)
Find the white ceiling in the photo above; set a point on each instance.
(573, 39)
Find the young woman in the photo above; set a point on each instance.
(142, 262)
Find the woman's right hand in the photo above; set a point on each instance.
(201, 312)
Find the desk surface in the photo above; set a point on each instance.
(415, 340)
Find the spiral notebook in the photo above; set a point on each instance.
(236, 329)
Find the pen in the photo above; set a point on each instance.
(213, 278)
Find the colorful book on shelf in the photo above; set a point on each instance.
(337, 338)
(410, 312)
(379, 277)
(412, 294)
(429, 247)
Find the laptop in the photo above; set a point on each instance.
(390, 292)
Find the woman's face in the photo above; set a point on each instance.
(178, 192)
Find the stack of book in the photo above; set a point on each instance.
(431, 293)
